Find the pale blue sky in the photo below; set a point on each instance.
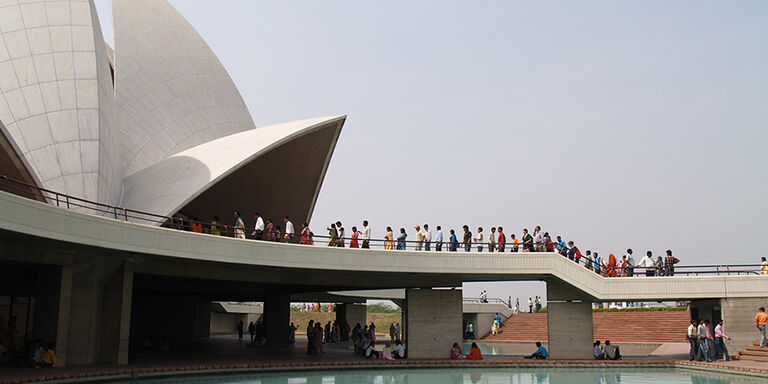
(615, 124)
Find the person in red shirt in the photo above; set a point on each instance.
(502, 240)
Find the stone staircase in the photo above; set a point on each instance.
(633, 327)
(754, 353)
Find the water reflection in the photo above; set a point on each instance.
(470, 376)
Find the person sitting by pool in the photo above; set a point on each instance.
(386, 353)
(399, 349)
(540, 353)
(48, 358)
(597, 351)
(611, 351)
(474, 353)
(370, 350)
(456, 352)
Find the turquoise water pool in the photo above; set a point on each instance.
(468, 376)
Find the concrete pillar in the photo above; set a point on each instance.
(84, 320)
(569, 319)
(277, 318)
(51, 317)
(114, 338)
(352, 313)
(570, 330)
(739, 321)
(203, 318)
(433, 322)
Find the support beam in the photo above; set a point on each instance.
(277, 317)
(433, 322)
(115, 321)
(570, 330)
(569, 319)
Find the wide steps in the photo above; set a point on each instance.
(614, 326)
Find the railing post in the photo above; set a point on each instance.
(125, 213)
(115, 210)
(57, 199)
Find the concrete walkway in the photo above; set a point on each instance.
(224, 354)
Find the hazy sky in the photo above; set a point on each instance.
(615, 124)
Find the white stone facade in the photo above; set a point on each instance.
(89, 121)
(56, 96)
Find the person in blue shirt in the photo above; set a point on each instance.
(560, 244)
(453, 243)
(541, 353)
(401, 239)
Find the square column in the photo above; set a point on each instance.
(569, 318)
(114, 338)
(432, 323)
(277, 318)
(738, 317)
(352, 313)
(570, 330)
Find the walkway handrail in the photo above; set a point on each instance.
(215, 228)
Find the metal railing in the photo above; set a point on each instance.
(218, 229)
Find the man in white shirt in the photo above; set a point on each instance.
(647, 263)
(479, 239)
(258, 229)
(427, 237)
(419, 238)
(289, 231)
(439, 239)
(366, 236)
(492, 240)
(630, 263)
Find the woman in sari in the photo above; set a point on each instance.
(270, 230)
(389, 239)
(610, 268)
(353, 239)
(306, 235)
(333, 235)
(401, 240)
(215, 230)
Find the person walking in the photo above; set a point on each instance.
(270, 230)
(530, 305)
(333, 235)
(240, 330)
(366, 235)
(527, 241)
(720, 348)
(492, 240)
(439, 239)
(453, 242)
(427, 238)
(647, 264)
(691, 336)
(289, 230)
(501, 240)
(515, 243)
(466, 240)
(538, 239)
(419, 238)
(258, 228)
(704, 338)
(669, 263)
(306, 235)
(763, 266)
(239, 226)
(630, 263)
(760, 319)
(353, 243)
(389, 239)
(216, 226)
(401, 239)
(340, 242)
(479, 239)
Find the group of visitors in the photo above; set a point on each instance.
(475, 353)
(364, 341)
(706, 346)
(606, 351)
(38, 354)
